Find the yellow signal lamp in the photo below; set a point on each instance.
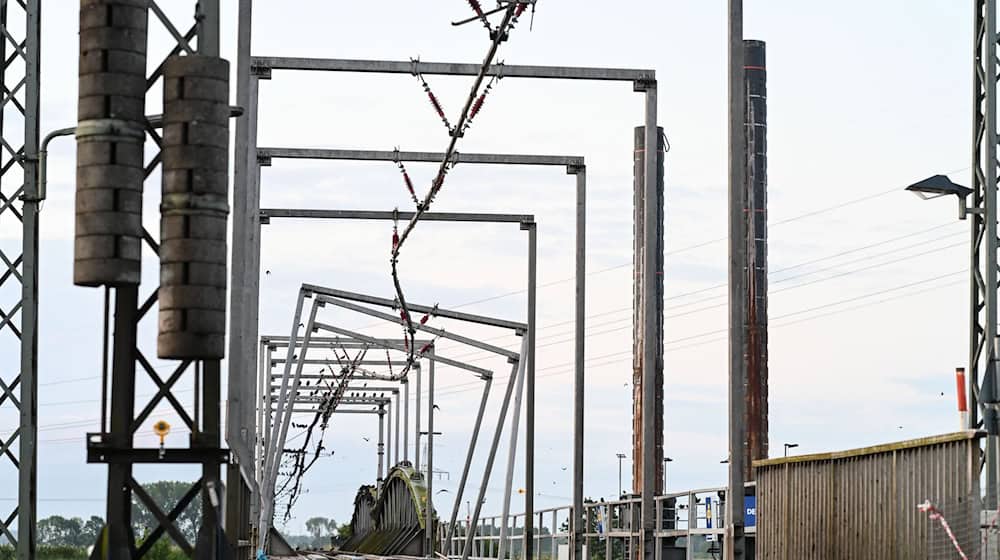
(162, 429)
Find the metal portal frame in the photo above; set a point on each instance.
(344, 299)
(350, 301)
(526, 222)
(574, 166)
(19, 135)
(251, 69)
(115, 444)
(265, 395)
(246, 258)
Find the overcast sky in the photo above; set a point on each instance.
(869, 298)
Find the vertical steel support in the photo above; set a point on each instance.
(381, 448)
(578, 522)
(19, 376)
(244, 291)
(511, 456)
(488, 470)
(529, 420)
(120, 540)
(283, 415)
(983, 282)
(406, 419)
(416, 421)
(429, 525)
(651, 313)
(27, 498)
(755, 77)
(734, 544)
(210, 543)
(395, 445)
(460, 491)
(388, 438)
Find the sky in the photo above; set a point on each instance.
(868, 284)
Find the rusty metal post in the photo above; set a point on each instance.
(755, 78)
(646, 301)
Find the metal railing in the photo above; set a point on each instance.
(689, 525)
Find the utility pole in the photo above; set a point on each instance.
(734, 544)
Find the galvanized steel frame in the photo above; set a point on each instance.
(255, 68)
(20, 142)
(343, 299)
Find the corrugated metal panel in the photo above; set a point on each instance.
(862, 504)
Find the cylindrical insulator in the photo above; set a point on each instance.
(194, 210)
(110, 135)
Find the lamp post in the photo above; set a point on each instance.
(983, 282)
(620, 457)
(937, 186)
(790, 446)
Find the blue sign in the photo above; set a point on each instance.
(750, 511)
(708, 513)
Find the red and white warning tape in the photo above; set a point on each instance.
(935, 514)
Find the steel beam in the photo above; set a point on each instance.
(415, 308)
(265, 154)
(266, 63)
(423, 328)
(270, 213)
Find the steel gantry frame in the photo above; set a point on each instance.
(351, 302)
(265, 394)
(251, 69)
(115, 445)
(574, 166)
(526, 222)
(19, 200)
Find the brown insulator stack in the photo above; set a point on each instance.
(194, 208)
(110, 136)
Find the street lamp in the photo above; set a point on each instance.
(790, 446)
(665, 461)
(937, 186)
(620, 457)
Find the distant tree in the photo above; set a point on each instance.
(166, 494)
(321, 529)
(60, 531)
(90, 531)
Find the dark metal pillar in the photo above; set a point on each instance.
(734, 543)
(755, 77)
(121, 541)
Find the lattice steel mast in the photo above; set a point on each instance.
(19, 201)
(983, 258)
